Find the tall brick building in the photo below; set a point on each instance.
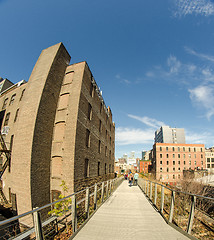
(57, 127)
(169, 160)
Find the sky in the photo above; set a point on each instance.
(153, 60)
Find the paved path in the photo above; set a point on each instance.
(127, 214)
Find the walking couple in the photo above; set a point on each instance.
(133, 178)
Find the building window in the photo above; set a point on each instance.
(167, 155)
(89, 111)
(194, 155)
(212, 159)
(201, 149)
(167, 169)
(161, 169)
(173, 155)
(195, 163)
(179, 162)
(194, 149)
(173, 149)
(179, 169)
(184, 155)
(109, 168)
(17, 112)
(5, 103)
(173, 176)
(106, 134)
(160, 162)
(179, 176)
(179, 156)
(202, 163)
(167, 162)
(87, 138)
(105, 168)
(189, 155)
(106, 151)
(173, 162)
(91, 90)
(12, 99)
(201, 155)
(189, 149)
(86, 170)
(189, 162)
(167, 148)
(208, 165)
(167, 176)
(98, 168)
(110, 154)
(184, 149)
(160, 148)
(178, 149)
(110, 140)
(208, 159)
(161, 155)
(100, 126)
(173, 169)
(7, 119)
(22, 94)
(99, 146)
(161, 176)
(184, 162)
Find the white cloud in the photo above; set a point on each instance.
(127, 136)
(204, 96)
(199, 138)
(151, 122)
(123, 80)
(197, 7)
(200, 55)
(173, 64)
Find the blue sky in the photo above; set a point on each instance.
(153, 60)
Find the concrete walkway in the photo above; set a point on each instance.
(127, 214)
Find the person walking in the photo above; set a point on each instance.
(130, 179)
(136, 175)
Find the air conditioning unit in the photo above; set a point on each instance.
(5, 130)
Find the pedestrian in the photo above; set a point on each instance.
(130, 179)
(136, 175)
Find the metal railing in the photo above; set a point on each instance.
(64, 216)
(191, 214)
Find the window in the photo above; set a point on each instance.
(109, 168)
(179, 162)
(160, 148)
(189, 149)
(212, 159)
(202, 163)
(194, 149)
(106, 151)
(208, 165)
(184, 155)
(110, 140)
(173, 149)
(101, 107)
(195, 163)
(201, 155)
(100, 126)
(184, 162)
(99, 146)
(161, 169)
(189, 162)
(12, 99)
(167, 155)
(91, 90)
(173, 155)
(201, 149)
(6, 119)
(5, 103)
(179, 176)
(173, 176)
(167, 176)
(22, 94)
(178, 149)
(189, 155)
(194, 155)
(106, 134)
(167, 162)
(173, 169)
(179, 169)
(179, 156)
(161, 176)
(184, 149)
(173, 162)
(161, 155)
(167, 148)
(17, 112)
(87, 138)
(98, 168)
(105, 168)
(160, 162)
(86, 170)
(167, 169)
(208, 159)
(89, 111)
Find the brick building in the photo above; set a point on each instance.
(169, 160)
(209, 154)
(57, 127)
(144, 166)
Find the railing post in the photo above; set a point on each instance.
(147, 190)
(74, 213)
(145, 186)
(38, 226)
(102, 191)
(191, 215)
(172, 206)
(162, 199)
(150, 196)
(95, 196)
(155, 198)
(107, 190)
(87, 200)
(110, 187)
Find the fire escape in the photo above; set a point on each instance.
(7, 153)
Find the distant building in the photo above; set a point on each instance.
(209, 154)
(132, 155)
(5, 84)
(143, 155)
(122, 160)
(145, 166)
(167, 134)
(169, 160)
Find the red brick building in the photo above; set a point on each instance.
(144, 166)
(171, 159)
